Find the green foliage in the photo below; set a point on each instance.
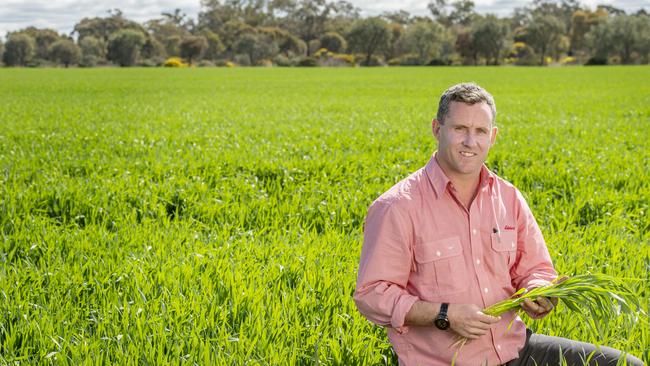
(19, 50)
(597, 298)
(124, 47)
(43, 39)
(334, 42)
(193, 47)
(93, 50)
(215, 46)
(543, 34)
(66, 52)
(626, 36)
(255, 47)
(104, 28)
(214, 215)
(293, 46)
(489, 37)
(369, 36)
(153, 50)
(423, 39)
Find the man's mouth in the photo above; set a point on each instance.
(467, 154)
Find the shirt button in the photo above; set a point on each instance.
(485, 290)
(474, 231)
(499, 347)
(478, 261)
(512, 244)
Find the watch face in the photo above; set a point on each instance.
(442, 323)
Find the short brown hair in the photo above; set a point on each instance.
(469, 93)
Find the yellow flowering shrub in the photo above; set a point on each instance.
(174, 62)
(569, 60)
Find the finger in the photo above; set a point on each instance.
(480, 325)
(488, 319)
(545, 303)
(476, 332)
(528, 305)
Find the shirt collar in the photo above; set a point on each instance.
(439, 179)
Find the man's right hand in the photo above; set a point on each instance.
(468, 321)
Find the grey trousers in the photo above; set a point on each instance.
(542, 350)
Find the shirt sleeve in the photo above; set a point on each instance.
(386, 259)
(533, 266)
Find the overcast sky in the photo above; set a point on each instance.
(62, 15)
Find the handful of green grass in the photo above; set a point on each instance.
(597, 297)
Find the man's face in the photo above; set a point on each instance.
(464, 139)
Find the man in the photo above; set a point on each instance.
(452, 239)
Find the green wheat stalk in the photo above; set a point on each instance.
(598, 298)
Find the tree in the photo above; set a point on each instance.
(489, 37)
(448, 14)
(216, 14)
(2, 49)
(622, 35)
(543, 34)
(369, 36)
(611, 10)
(466, 47)
(579, 27)
(19, 50)
(193, 47)
(172, 45)
(293, 46)
(153, 50)
(402, 17)
(396, 44)
(169, 31)
(43, 39)
(66, 52)
(230, 33)
(179, 19)
(215, 46)
(334, 42)
(103, 28)
(124, 46)
(255, 47)
(630, 34)
(93, 50)
(309, 18)
(422, 38)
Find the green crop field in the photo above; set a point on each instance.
(214, 216)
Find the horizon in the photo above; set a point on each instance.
(56, 14)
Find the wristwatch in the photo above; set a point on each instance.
(442, 320)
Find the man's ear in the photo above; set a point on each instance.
(435, 128)
(493, 138)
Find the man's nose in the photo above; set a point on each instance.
(469, 139)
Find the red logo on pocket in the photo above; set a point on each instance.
(508, 227)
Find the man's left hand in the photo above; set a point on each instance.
(540, 307)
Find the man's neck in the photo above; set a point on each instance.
(466, 184)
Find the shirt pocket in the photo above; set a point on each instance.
(441, 266)
(505, 244)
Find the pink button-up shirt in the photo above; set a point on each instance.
(420, 243)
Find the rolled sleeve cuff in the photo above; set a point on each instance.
(402, 307)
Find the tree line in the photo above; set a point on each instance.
(332, 33)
